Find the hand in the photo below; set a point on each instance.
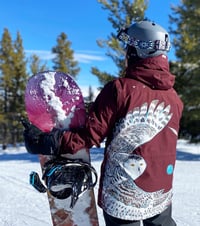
(38, 142)
(31, 134)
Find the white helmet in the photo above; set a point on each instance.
(148, 38)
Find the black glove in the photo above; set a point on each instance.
(38, 142)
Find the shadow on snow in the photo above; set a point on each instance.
(185, 156)
(97, 154)
(18, 156)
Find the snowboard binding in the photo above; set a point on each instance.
(64, 178)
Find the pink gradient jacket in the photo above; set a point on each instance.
(139, 115)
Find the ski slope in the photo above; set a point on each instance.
(21, 205)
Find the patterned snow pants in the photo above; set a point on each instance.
(163, 219)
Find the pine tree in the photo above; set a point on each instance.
(90, 94)
(36, 64)
(89, 99)
(13, 80)
(6, 51)
(186, 31)
(121, 14)
(6, 64)
(185, 28)
(64, 60)
(19, 75)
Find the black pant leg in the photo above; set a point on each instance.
(163, 219)
(112, 221)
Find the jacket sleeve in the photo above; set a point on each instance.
(99, 123)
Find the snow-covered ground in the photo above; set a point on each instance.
(21, 205)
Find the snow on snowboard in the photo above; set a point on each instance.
(53, 99)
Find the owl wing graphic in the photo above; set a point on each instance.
(141, 125)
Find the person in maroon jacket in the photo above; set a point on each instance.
(139, 115)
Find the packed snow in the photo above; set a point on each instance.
(22, 205)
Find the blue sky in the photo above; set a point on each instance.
(84, 21)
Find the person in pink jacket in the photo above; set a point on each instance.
(139, 116)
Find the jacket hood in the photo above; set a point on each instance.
(153, 72)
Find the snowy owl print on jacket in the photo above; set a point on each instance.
(123, 166)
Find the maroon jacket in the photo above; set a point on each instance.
(139, 115)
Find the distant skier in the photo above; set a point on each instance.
(139, 115)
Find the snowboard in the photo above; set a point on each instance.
(54, 100)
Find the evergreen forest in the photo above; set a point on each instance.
(16, 67)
